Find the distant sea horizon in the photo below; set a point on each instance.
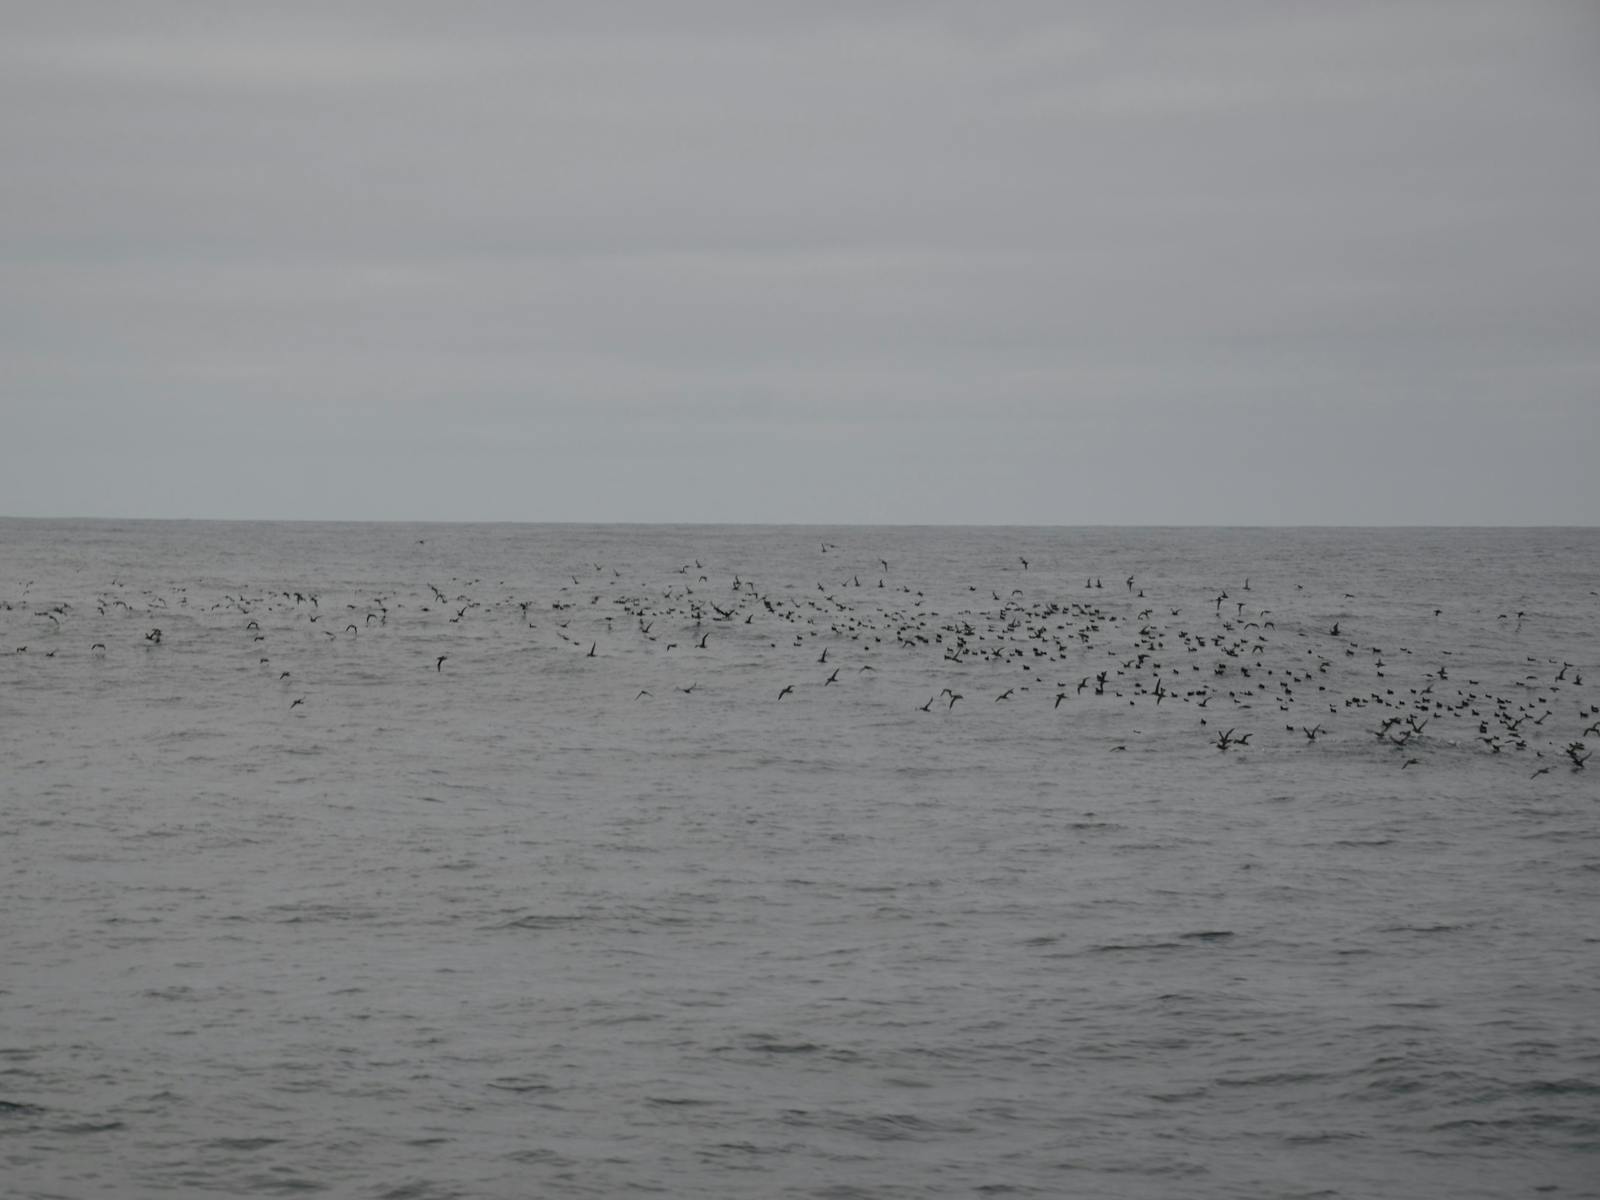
(628, 524)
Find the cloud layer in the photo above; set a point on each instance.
(1025, 264)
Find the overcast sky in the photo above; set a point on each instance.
(1278, 263)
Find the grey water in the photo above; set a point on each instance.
(290, 905)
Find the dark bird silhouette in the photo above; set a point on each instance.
(790, 687)
(831, 678)
(297, 703)
(438, 663)
(592, 645)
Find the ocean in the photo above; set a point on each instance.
(425, 861)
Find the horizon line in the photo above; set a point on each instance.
(774, 524)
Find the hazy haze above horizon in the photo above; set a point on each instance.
(840, 263)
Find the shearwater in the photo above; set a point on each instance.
(499, 860)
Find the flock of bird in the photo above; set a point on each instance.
(1221, 658)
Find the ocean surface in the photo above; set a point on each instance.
(498, 861)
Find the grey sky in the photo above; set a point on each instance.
(1243, 264)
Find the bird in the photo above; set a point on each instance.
(642, 692)
(297, 703)
(438, 663)
(786, 691)
(592, 645)
(831, 678)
